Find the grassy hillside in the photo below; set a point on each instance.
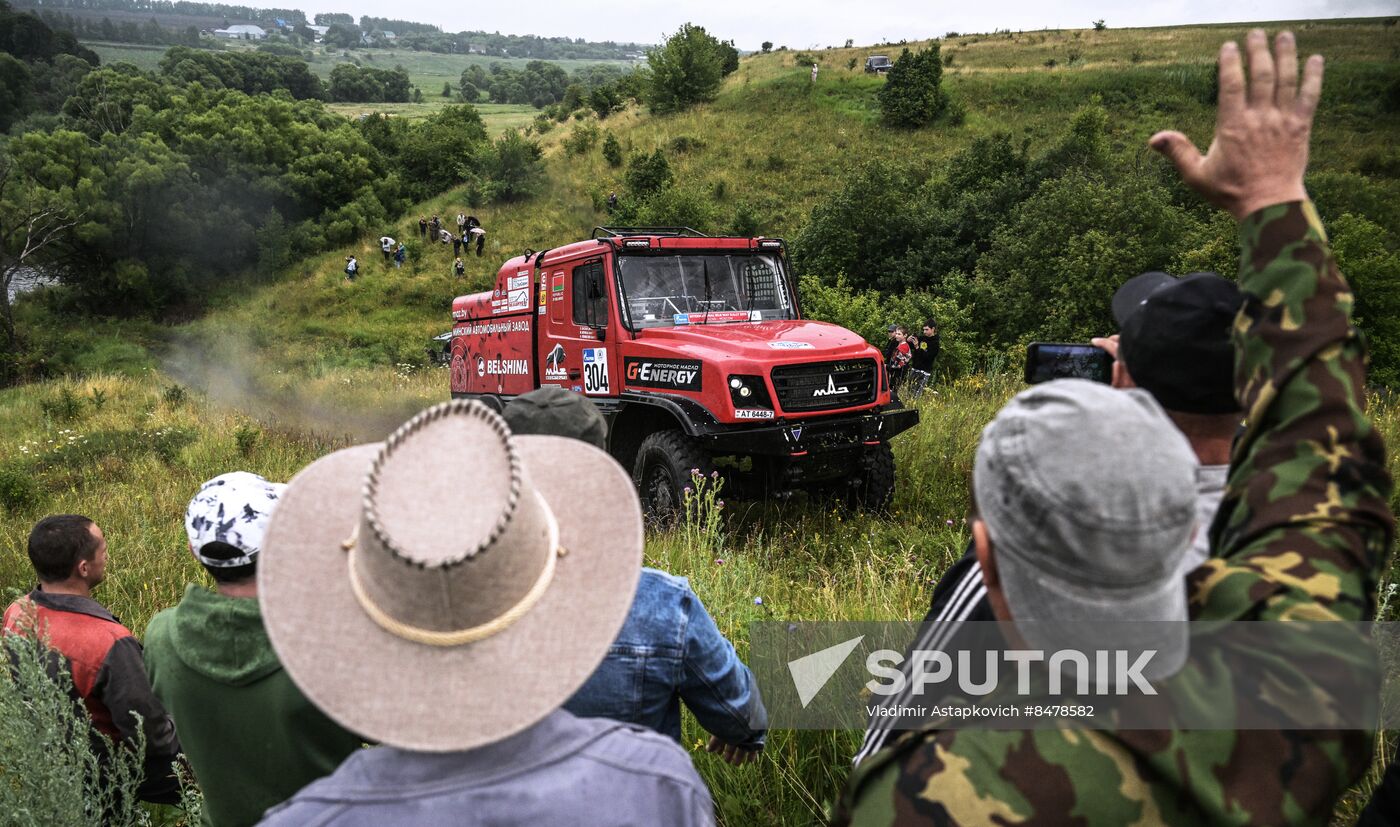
(305, 362)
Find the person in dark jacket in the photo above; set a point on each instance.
(924, 349)
(252, 738)
(69, 554)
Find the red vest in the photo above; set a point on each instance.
(84, 641)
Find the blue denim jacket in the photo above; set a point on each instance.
(670, 650)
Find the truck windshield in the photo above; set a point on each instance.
(703, 288)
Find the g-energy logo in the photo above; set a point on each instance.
(665, 374)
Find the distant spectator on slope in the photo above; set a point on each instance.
(458, 268)
(462, 225)
(445, 236)
(351, 268)
(433, 226)
(386, 246)
(252, 738)
(400, 255)
(69, 555)
(422, 227)
(456, 246)
(477, 233)
(814, 73)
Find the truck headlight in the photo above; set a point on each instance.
(748, 392)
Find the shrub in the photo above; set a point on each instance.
(174, 395)
(1099, 26)
(767, 46)
(18, 493)
(51, 773)
(685, 70)
(682, 144)
(746, 221)
(513, 168)
(246, 439)
(612, 150)
(647, 174)
(582, 139)
(65, 406)
(677, 206)
(912, 95)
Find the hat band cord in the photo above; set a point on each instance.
(458, 637)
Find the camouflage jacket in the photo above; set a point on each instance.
(1302, 533)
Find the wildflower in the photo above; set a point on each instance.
(950, 522)
(719, 561)
(695, 472)
(758, 601)
(719, 503)
(714, 475)
(687, 489)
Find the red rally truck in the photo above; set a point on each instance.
(695, 350)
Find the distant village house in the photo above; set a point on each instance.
(242, 32)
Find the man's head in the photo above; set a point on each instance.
(1174, 341)
(553, 411)
(68, 547)
(1086, 503)
(226, 522)
(889, 331)
(930, 327)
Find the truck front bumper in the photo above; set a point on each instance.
(812, 437)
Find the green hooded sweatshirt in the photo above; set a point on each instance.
(250, 735)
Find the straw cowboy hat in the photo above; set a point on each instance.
(453, 585)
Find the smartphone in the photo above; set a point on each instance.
(1059, 360)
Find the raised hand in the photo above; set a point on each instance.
(1260, 150)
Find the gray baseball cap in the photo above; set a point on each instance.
(553, 411)
(1089, 496)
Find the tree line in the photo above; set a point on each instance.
(169, 184)
(181, 7)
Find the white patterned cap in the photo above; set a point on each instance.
(234, 509)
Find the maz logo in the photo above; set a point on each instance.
(831, 389)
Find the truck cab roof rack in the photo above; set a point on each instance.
(618, 232)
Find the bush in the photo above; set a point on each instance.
(612, 150)
(647, 174)
(912, 95)
(677, 207)
(18, 493)
(685, 70)
(63, 407)
(52, 773)
(513, 168)
(682, 144)
(582, 139)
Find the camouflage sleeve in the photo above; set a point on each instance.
(1304, 526)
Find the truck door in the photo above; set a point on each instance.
(575, 349)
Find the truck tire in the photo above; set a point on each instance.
(662, 472)
(874, 488)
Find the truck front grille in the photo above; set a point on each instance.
(824, 386)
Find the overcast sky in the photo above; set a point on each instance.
(802, 24)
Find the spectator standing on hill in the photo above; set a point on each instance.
(386, 246)
(669, 650)
(452, 630)
(400, 255)
(477, 233)
(462, 225)
(445, 236)
(69, 555)
(250, 735)
(456, 246)
(433, 226)
(612, 202)
(814, 73)
(422, 227)
(925, 353)
(351, 268)
(1313, 548)
(458, 268)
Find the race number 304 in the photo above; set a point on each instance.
(595, 371)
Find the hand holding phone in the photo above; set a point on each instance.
(1061, 360)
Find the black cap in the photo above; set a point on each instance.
(1175, 339)
(554, 411)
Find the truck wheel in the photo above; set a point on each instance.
(874, 490)
(662, 473)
